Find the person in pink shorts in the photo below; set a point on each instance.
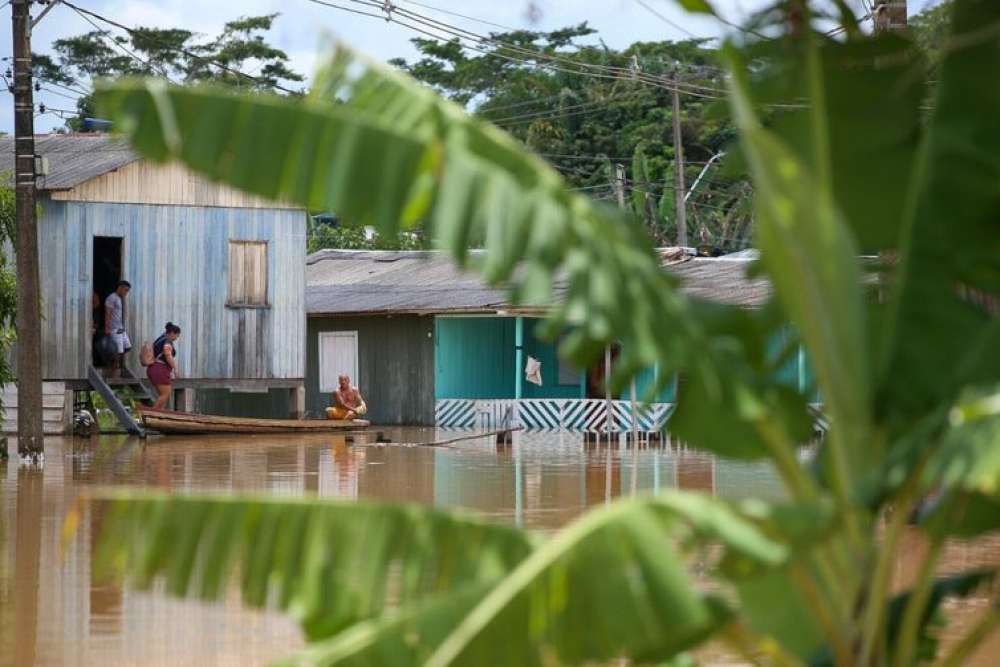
(164, 365)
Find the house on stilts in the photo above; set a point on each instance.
(429, 344)
(226, 266)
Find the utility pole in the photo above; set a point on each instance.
(681, 212)
(618, 183)
(890, 15)
(620, 189)
(29, 327)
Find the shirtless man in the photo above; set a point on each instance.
(347, 401)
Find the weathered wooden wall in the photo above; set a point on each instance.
(273, 404)
(176, 259)
(143, 182)
(57, 408)
(395, 366)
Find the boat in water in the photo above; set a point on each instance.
(172, 422)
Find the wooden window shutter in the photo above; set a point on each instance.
(247, 273)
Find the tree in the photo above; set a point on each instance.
(176, 54)
(8, 289)
(581, 109)
(903, 351)
(330, 233)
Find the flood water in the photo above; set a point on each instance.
(51, 613)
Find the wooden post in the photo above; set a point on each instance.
(619, 184)
(680, 210)
(29, 316)
(185, 400)
(890, 15)
(609, 418)
(68, 405)
(297, 402)
(518, 357)
(635, 439)
(518, 370)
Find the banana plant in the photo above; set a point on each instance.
(878, 225)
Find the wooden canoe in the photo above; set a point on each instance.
(171, 422)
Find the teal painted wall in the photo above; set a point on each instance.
(645, 381)
(796, 371)
(474, 357)
(547, 353)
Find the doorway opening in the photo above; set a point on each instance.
(107, 273)
(596, 387)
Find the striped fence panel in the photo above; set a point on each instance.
(554, 413)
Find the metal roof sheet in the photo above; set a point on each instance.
(72, 158)
(341, 282)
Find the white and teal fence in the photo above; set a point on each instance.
(571, 414)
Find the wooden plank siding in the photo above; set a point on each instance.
(143, 182)
(57, 408)
(176, 258)
(395, 366)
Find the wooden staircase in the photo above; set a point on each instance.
(103, 387)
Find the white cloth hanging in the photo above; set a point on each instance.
(533, 371)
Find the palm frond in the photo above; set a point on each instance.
(329, 564)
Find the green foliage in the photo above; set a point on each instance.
(903, 349)
(582, 123)
(177, 54)
(930, 30)
(324, 235)
(8, 283)
(325, 563)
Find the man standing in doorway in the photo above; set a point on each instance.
(114, 326)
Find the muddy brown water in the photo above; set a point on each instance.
(52, 614)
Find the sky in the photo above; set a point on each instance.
(306, 30)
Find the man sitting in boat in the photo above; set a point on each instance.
(347, 401)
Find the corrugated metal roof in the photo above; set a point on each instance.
(341, 282)
(73, 158)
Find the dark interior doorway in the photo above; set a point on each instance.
(595, 374)
(107, 273)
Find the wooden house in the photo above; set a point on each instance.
(225, 266)
(428, 344)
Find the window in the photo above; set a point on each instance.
(338, 354)
(247, 274)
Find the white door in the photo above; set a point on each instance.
(338, 354)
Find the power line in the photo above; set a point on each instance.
(78, 91)
(552, 62)
(53, 91)
(648, 8)
(462, 16)
(114, 42)
(186, 52)
(551, 114)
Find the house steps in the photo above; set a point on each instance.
(103, 387)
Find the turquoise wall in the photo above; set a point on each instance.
(645, 381)
(796, 371)
(547, 353)
(474, 357)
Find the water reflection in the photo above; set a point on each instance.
(51, 614)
